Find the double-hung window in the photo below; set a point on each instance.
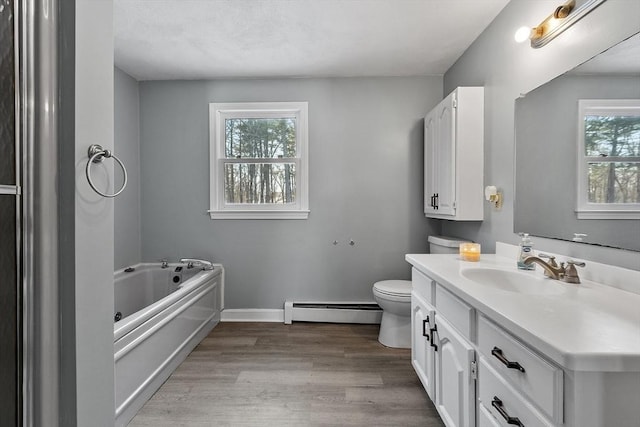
(609, 159)
(259, 160)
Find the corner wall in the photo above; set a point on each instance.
(366, 184)
(94, 216)
(506, 69)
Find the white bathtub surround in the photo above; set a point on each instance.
(166, 313)
(579, 345)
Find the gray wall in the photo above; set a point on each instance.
(507, 69)
(554, 145)
(366, 175)
(126, 146)
(94, 215)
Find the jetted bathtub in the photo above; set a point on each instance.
(161, 314)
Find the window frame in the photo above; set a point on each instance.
(218, 113)
(584, 208)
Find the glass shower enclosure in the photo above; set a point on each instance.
(10, 326)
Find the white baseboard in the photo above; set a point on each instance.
(252, 315)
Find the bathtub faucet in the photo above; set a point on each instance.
(191, 262)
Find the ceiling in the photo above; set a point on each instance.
(208, 39)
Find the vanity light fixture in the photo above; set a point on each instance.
(493, 196)
(562, 18)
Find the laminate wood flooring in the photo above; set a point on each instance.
(304, 374)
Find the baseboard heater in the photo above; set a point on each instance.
(332, 312)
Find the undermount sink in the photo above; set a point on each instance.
(514, 281)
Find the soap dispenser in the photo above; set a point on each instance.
(526, 249)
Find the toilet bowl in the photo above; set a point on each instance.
(394, 297)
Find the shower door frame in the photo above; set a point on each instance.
(38, 35)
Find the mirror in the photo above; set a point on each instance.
(546, 129)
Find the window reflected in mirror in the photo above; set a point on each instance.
(609, 150)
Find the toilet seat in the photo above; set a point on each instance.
(393, 288)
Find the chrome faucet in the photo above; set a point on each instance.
(192, 262)
(567, 274)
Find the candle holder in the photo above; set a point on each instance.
(470, 251)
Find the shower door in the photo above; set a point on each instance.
(10, 327)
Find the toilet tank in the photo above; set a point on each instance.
(444, 244)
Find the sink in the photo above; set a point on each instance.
(513, 281)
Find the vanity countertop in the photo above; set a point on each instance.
(588, 327)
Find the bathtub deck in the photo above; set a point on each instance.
(304, 374)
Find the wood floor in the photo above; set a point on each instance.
(304, 374)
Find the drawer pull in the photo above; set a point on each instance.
(431, 331)
(425, 322)
(511, 365)
(497, 403)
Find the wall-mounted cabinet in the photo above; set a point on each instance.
(454, 156)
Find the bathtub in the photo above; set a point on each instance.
(160, 315)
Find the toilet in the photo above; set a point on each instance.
(394, 297)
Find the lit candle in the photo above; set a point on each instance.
(470, 251)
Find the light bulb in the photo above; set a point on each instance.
(522, 34)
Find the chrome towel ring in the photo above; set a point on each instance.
(96, 154)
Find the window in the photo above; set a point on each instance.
(609, 159)
(259, 160)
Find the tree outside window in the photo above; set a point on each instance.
(609, 162)
(259, 160)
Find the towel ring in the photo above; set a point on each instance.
(96, 154)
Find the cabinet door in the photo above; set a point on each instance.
(429, 162)
(422, 353)
(455, 386)
(445, 156)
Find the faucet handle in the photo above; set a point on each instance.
(570, 273)
(551, 258)
(552, 262)
(578, 263)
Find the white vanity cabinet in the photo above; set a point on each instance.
(468, 364)
(422, 351)
(517, 372)
(454, 156)
(441, 355)
(455, 376)
(489, 357)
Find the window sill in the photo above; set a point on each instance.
(608, 214)
(259, 214)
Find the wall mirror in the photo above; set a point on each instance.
(546, 154)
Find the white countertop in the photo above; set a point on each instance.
(590, 327)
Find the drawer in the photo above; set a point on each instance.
(495, 394)
(456, 311)
(485, 419)
(422, 285)
(530, 374)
